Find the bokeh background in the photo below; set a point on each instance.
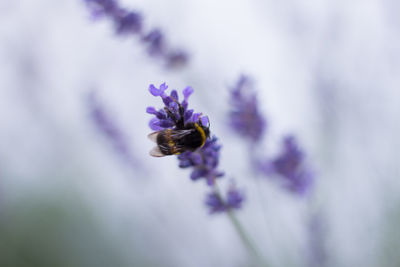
(326, 71)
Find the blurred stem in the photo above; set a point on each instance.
(240, 230)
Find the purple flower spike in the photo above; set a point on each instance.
(106, 124)
(215, 203)
(129, 23)
(155, 42)
(245, 117)
(290, 166)
(203, 161)
(101, 7)
(177, 59)
(234, 200)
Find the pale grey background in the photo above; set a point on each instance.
(327, 71)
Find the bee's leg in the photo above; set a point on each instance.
(171, 115)
(178, 122)
(181, 121)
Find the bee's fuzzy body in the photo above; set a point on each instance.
(177, 141)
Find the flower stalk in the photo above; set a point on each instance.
(248, 243)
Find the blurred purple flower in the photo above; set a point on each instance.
(234, 200)
(131, 23)
(155, 42)
(177, 59)
(245, 117)
(108, 127)
(290, 166)
(102, 7)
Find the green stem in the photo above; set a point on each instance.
(240, 230)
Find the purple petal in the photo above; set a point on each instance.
(163, 87)
(154, 91)
(187, 92)
(155, 124)
(174, 95)
(158, 92)
(167, 99)
(151, 110)
(234, 198)
(173, 106)
(188, 114)
(161, 114)
(195, 117)
(204, 121)
(198, 173)
(196, 158)
(166, 123)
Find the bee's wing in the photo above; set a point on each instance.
(156, 152)
(177, 134)
(153, 136)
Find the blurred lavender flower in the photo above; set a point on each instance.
(108, 127)
(131, 23)
(234, 200)
(128, 22)
(155, 42)
(245, 117)
(102, 7)
(176, 59)
(290, 166)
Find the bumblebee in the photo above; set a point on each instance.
(184, 137)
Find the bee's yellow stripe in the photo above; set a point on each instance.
(202, 133)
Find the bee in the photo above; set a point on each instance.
(184, 137)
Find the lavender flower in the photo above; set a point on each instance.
(162, 119)
(245, 118)
(290, 166)
(155, 42)
(102, 7)
(131, 23)
(234, 200)
(108, 127)
(203, 161)
(128, 22)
